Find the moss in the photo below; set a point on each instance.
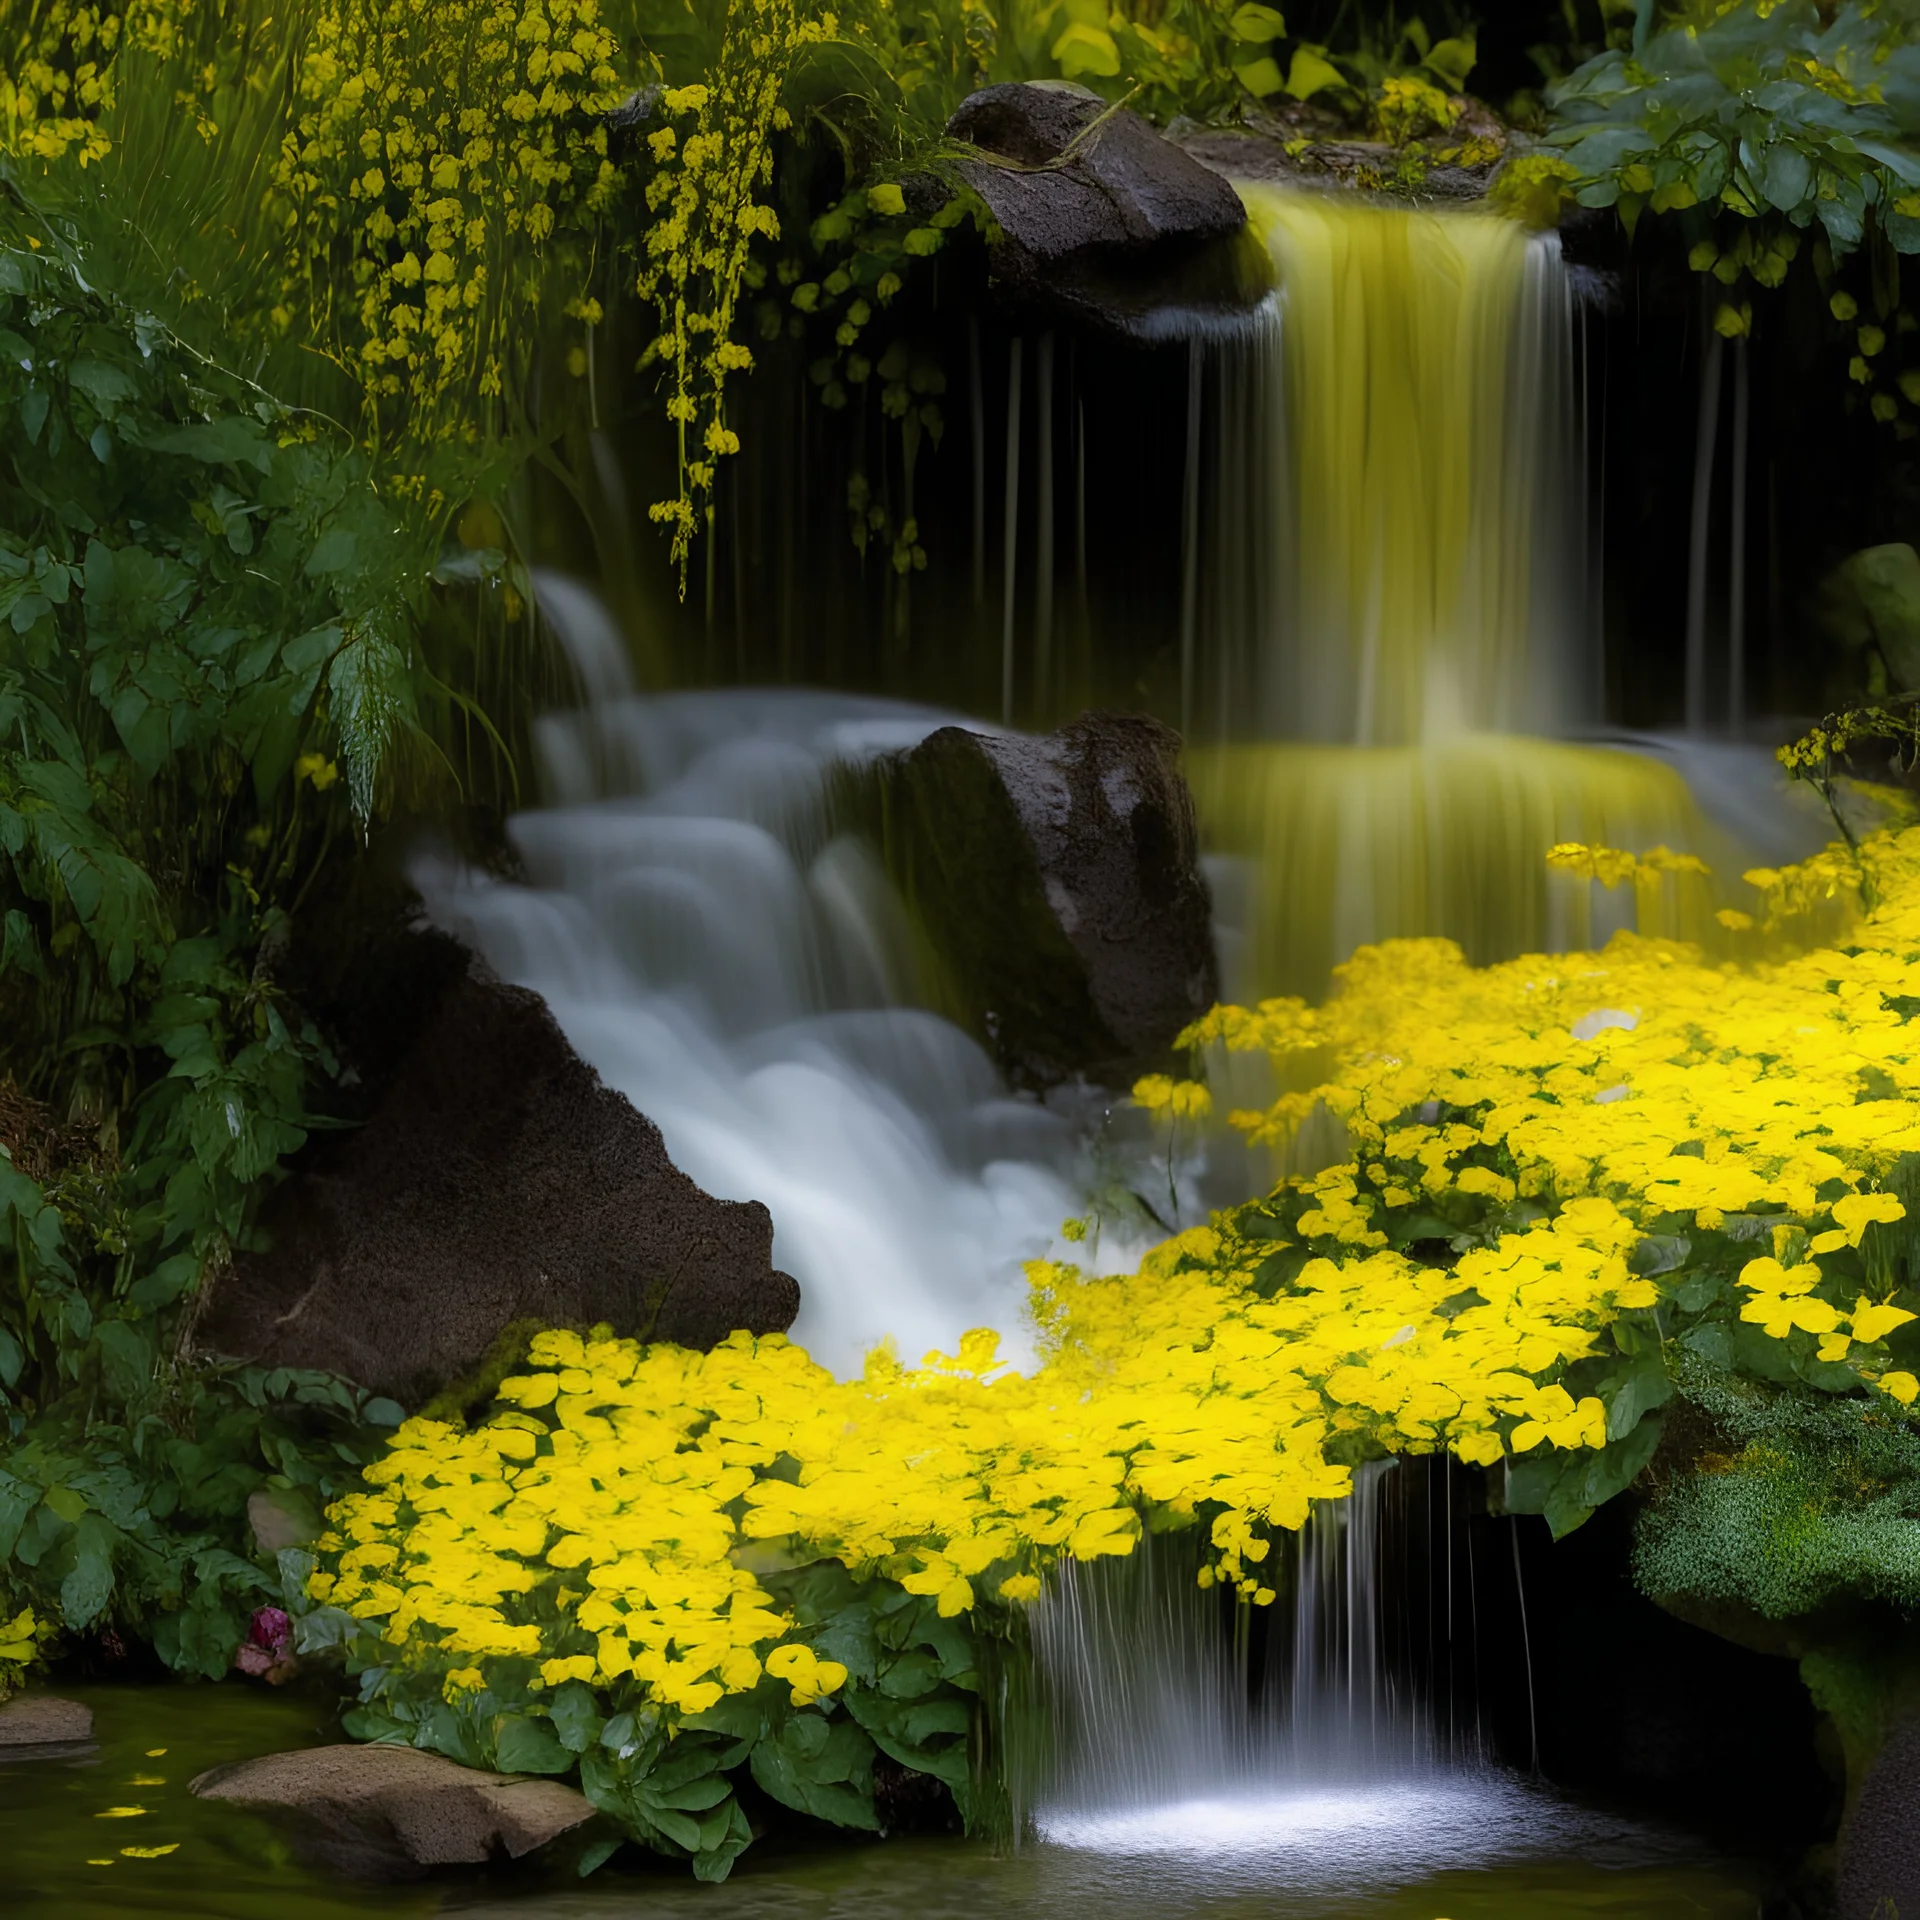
(461, 1399)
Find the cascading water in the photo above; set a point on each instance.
(1397, 606)
(746, 976)
(1165, 1717)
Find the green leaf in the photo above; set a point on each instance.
(1256, 23)
(596, 1856)
(1082, 49)
(822, 1769)
(576, 1719)
(1260, 77)
(1786, 177)
(524, 1745)
(1450, 61)
(1312, 72)
(85, 1590)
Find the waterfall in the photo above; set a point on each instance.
(745, 974)
(1425, 403)
(1395, 611)
(1155, 1700)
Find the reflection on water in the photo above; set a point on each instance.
(1475, 1847)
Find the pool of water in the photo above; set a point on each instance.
(1468, 1848)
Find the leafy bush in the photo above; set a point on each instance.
(206, 617)
(1773, 133)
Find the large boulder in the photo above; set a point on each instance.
(391, 1813)
(496, 1182)
(1099, 215)
(1058, 884)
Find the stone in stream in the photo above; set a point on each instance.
(1058, 883)
(34, 1724)
(391, 1813)
(497, 1184)
(1099, 215)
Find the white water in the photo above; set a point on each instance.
(1168, 1718)
(746, 977)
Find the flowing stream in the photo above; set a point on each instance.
(746, 975)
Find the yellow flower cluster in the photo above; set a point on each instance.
(1612, 867)
(434, 154)
(607, 1523)
(1757, 1099)
(57, 70)
(615, 1519)
(712, 157)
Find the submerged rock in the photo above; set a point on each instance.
(497, 1181)
(1101, 216)
(390, 1813)
(44, 1720)
(1057, 879)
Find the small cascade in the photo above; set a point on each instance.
(1154, 1694)
(746, 976)
(1394, 610)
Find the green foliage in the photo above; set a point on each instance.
(204, 609)
(1803, 1499)
(1793, 113)
(670, 1784)
(1760, 126)
(126, 1504)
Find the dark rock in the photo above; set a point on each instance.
(390, 1813)
(1057, 881)
(1879, 1857)
(44, 1720)
(1108, 221)
(496, 1182)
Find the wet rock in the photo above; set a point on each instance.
(43, 1720)
(1878, 1869)
(1058, 883)
(496, 1184)
(1100, 215)
(391, 1813)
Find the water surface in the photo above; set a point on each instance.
(1466, 1848)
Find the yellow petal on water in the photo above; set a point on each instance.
(148, 1780)
(99, 1863)
(120, 1813)
(154, 1753)
(150, 1853)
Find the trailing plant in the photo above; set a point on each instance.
(697, 252)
